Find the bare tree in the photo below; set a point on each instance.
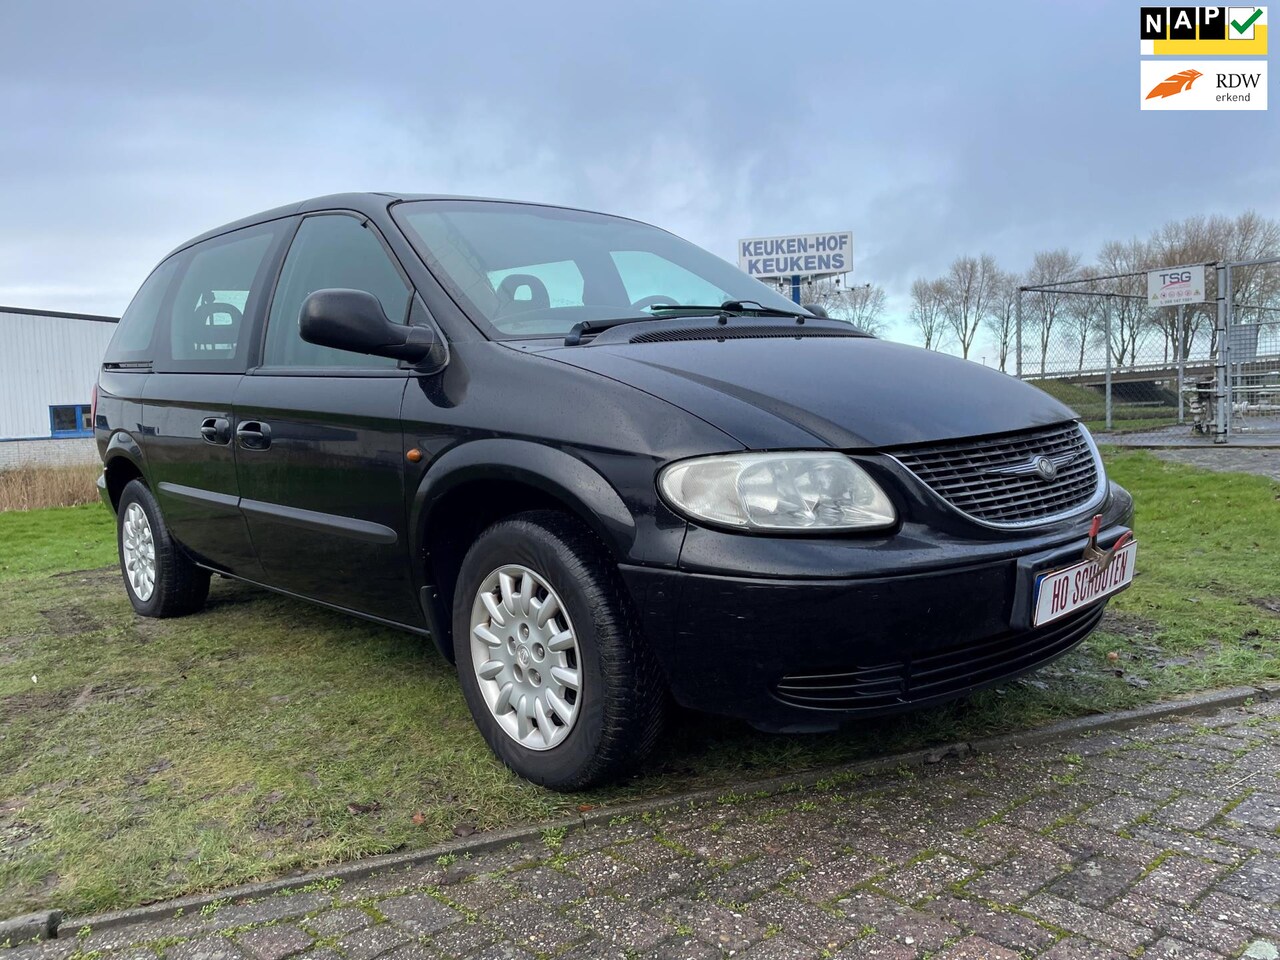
(1192, 240)
(866, 307)
(1131, 319)
(1049, 267)
(1002, 318)
(861, 305)
(927, 298)
(1080, 323)
(1256, 289)
(1199, 239)
(967, 297)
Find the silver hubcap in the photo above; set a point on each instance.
(525, 655)
(139, 550)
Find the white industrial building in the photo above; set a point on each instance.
(48, 365)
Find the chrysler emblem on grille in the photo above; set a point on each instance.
(1046, 468)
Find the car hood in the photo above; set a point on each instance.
(842, 392)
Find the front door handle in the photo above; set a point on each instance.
(216, 430)
(253, 435)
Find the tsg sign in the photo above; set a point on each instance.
(806, 255)
(1175, 285)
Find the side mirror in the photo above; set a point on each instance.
(353, 320)
(816, 309)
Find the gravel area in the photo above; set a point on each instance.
(1227, 459)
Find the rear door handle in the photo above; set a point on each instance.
(216, 430)
(253, 435)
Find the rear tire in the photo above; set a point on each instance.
(551, 661)
(159, 578)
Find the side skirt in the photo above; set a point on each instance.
(408, 628)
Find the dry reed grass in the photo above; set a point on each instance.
(32, 487)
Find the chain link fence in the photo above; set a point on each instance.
(1197, 373)
(1252, 355)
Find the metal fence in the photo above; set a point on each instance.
(1198, 373)
(1250, 375)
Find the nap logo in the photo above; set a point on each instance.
(1203, 85)
(1203, 31)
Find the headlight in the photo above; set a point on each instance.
(778, 491)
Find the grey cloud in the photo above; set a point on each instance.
(930, 130)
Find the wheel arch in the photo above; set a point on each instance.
(478, 483)
(121, 463)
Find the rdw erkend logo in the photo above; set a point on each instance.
(1203, 85)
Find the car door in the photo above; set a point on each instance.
(319, 444)
(204, 336)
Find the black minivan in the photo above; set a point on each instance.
(599, 467)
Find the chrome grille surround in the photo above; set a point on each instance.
(992, 480)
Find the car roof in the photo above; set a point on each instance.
(368, 203)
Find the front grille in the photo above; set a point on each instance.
(744, 332)
(992, 478)
(939, 674)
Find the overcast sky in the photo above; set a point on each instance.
(926, 128)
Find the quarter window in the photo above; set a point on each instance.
(331, 251)
(132, 339)
(208, 313)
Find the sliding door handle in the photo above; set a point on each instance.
(253, 435)
(216, 430)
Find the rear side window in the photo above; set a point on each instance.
(211, 309)
(333, 250)
(132, 339)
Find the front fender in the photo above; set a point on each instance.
(547, 469)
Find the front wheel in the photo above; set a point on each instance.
(550, 659)
(160, 579)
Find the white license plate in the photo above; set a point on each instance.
(1067, 590)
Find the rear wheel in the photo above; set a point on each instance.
(160, 579)
(549, 657)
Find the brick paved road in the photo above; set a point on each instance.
(1159, 842)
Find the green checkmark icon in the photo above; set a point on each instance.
(1242, 27)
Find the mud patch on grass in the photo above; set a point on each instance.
(71, 620)
(1128, 625)
(55, 704)
(37, 701)
(95, 576)
(15, 836)
(1269, 604)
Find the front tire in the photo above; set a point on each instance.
(160, 579)
(549, 656)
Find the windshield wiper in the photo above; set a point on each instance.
(732, 308)
(590, 327)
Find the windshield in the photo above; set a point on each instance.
(529, 271)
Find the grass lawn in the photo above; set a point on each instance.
(145, 759)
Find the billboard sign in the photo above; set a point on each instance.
(805, 255)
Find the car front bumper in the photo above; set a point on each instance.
(792, 653)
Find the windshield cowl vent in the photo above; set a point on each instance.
(745, 332)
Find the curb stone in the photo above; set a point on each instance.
(1200, 703)
(30, 926)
